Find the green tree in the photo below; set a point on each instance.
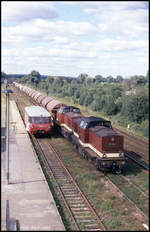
(115, 91)
(49, 80)
(135, 108)
(109, 79)
(34, 77)
(98, 78)
(89, 81)
(110, 107)
(98, 102)
(147, 76)
(88, 99)
(81, 78)
(119, 79)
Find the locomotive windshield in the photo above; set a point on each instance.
(85, 125)
(41, 120)
(76, 110)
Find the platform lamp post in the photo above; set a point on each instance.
(7, 92)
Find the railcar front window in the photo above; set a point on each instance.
(41, 120)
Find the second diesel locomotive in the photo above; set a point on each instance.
(94, 137)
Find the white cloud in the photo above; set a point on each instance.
(124, 23)
(18, 11)
(43, 30)
(112, 37)
(123, 18)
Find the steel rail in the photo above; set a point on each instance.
(125, 196)
(58, 188)
(137, 162)
(69, 174)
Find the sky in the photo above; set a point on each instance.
(68, 38)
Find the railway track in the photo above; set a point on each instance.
(83, 214)
(139, 163)
(127, 198)
(79, 212)
(136, 148)
(138, 138)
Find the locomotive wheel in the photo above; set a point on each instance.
(80, 150)
(96, 164)
(85, 156)
(123, 171)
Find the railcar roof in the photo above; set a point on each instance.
(37, 111)
(94, 119)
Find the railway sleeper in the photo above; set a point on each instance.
(75, 202)
(87, 220)
(70, 192)
(74, 205)
(92, 226)
(84, 218)
(82, 213)
(81, 210)
(78, 209)
(71, 195)
(96, 229)
(68, 187)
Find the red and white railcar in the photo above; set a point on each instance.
(38, 120)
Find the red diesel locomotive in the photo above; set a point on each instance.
(94, 137)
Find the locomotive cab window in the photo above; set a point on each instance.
(60, 110)
(66, 110)
(83, 124)
(41, 120)
(76, 110)
(107, 124)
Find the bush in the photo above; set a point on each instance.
(135, 108)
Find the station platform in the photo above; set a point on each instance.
(27, 202)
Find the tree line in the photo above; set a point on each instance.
(124, 100)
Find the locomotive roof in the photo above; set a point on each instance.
(37, 111)
(103, 131)
(69, 107)
(94, 119)
(74, 115)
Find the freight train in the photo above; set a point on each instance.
(94, 137)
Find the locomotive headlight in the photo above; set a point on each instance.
(121, 154)
(104, 155)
